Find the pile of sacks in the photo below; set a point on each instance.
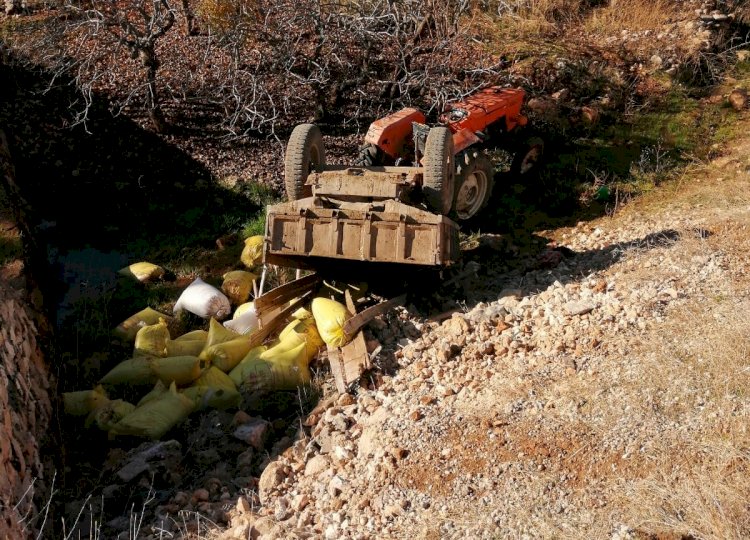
(204, 368)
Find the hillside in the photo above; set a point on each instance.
(601, 398)
(584, 375)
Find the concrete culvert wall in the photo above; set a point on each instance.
(25, 413)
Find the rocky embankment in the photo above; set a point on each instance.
(541, 412)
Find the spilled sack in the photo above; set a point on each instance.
(218, 334)
(152, 340)
(128, 328)
(252, 253)
(154, 419)
(330, 317)
(244, 323)
(237, 285)
(204, 300)
(135, 371)
(143, 271)
(238, 373)
(278, 368)
(185, 347)
(155, 393)
(82, 402)
(303, 331)
(189, 344)
(228, 354)
(243, 308)
(181, 370)
(109, 414)
(214, 389)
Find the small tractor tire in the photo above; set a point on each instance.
(304, 152)
(439, 170)
(528, 157)
(369, 156)
(474, 181)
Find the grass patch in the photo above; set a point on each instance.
(631, 15)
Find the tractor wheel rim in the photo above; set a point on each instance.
(471, 195)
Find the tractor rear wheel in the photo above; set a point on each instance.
(304, 153)
(474, 180)
(439, 170)
(528, 158)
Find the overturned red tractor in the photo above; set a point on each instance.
(400, 200)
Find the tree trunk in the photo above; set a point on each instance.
(153, 106)
(13, 6)
(187, 13)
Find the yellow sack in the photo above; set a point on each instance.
(185, 347)
(83, 402)
(213, 389)
(128, 328)
(195, 335)
(152, 340)
(218, 334)
(242, 308)
(143, 271)
(237, 286)
(303, 331)
(189, 344)
(238, 373)
(245, 323)
(155, 393)
(301, 314)
(178, 369)
(227, 355)
(108, 415)
(155, 418)
(252, 253)
(330, 317)
(278, 368)
(131, 371)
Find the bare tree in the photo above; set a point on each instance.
(12, 7)
(316, 59)
(268, 63)
(188, 18)
(137, 25)
(85, 42)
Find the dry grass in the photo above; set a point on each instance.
(693, 386)
(630, 15)
(522, 24)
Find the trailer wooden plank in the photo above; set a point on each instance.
(356, 359)
(349, 362)
(360, 319)
(336, 361)
(261, 334)
(283, 293)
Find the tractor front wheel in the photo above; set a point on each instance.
(369, 156)
(439, 170)
(474, 180)
(304, 153)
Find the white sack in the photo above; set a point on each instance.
(245, 323)
(204, 300)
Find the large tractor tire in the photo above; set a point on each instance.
(439, 170)
(304, 153)
(528, 158)
(474, 181)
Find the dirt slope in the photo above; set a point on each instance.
(600, 395)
